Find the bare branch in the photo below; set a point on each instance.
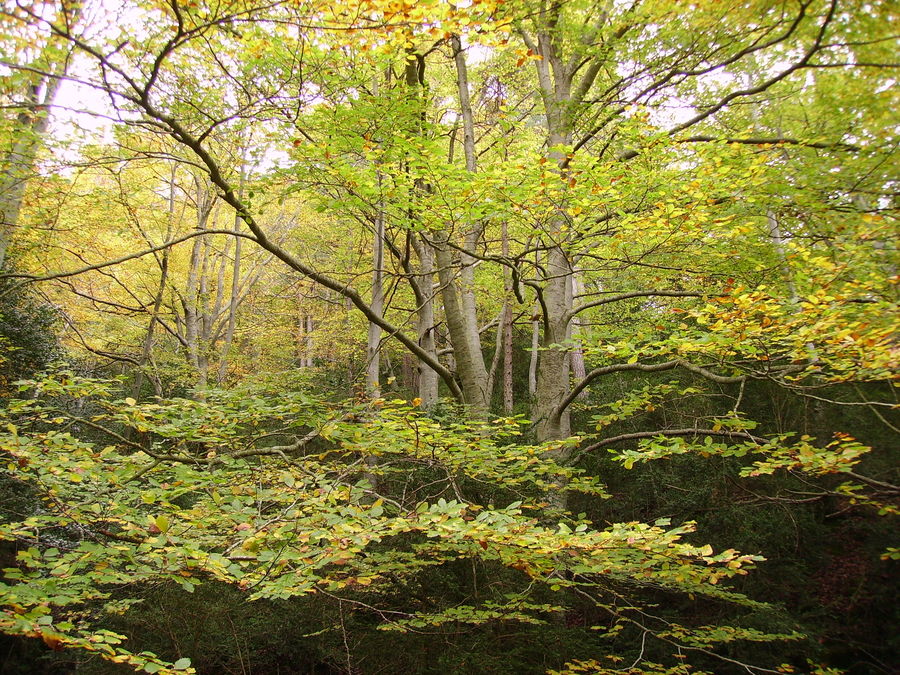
(33, 278)
(632, 294)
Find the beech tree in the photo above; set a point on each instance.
(650, 187)
(37, 61)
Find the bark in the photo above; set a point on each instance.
(552, 377)
(428, 378)
(560, 95)
(147, 345)
(373, 344)
(194, 298)
(470, 368)
(373, 339)
(410, 373)
(553, 362)
(535, 341)
(458, 290)
(472, 238)
(507, 321)
(420, 277)
(19, 162)
(498, 354)
(308, 340)
(29, 131)
(577, 354)
(535, 347)
(234, 299)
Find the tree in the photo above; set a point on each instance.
(673, 197)
(162, 513)
(38, 63)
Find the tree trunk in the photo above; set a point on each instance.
(470, 366)
(234, 298)
(428, 378)
(194, 291)
(28, 132)
(18, 164)
(458, 288)
(373, 344)
(553, 362)
(577, 354)
(560, 99)
(147, 346)
(506, 321)
(535, 341)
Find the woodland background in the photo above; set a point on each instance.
(491, 336)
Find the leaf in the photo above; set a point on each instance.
(182, 664)
(53, 642)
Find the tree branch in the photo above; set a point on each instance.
(33, 278)
(772, 141)
(673, 432)
(632, 294)
(642, 367)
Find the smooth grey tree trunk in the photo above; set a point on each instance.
(373, 343)
(234, 298)
(507, 323)
(456, 271)
(29, 131)
(425, 326)
(19, 161)
(193, 302)
(561, 96)
(577, 354)
(147, 345)
(470, 368)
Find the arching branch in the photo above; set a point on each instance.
(34, 278)
(641, 367)
(743, 435)
(632, 294)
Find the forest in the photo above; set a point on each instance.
(449, 337)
